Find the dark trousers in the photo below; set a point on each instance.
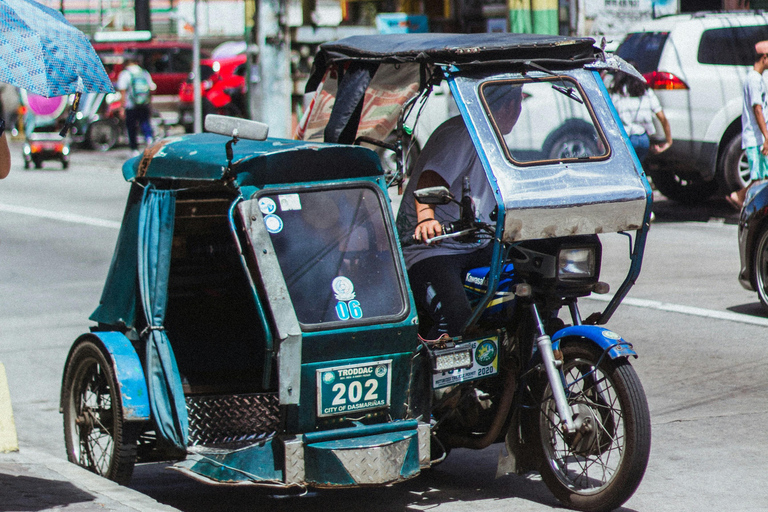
(438, 287)
(138, 115)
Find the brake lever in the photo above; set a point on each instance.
(455, 234)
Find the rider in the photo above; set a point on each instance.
(436, 270)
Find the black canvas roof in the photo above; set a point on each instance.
(459, 48)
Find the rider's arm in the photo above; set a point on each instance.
(427, 226)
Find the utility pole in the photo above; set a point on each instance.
(269, 80)
(143, 20)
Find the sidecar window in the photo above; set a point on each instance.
(543, 120)
(336, 254)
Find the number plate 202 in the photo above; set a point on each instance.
(353, 388)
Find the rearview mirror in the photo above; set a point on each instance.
(236, 127)
(434, 195)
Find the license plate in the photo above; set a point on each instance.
(485, 362)
(353, 388)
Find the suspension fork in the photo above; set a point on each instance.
(544, 343)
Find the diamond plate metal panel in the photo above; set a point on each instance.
(294, 460)
(375, 465)
(228, 419)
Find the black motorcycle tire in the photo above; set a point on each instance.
(602, 470)
(96, 436)
(760, 267)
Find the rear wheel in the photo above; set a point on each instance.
(95, 434)
(734, 166)
(575, 144)
(683, 187)
(601, 465)
(102, 135)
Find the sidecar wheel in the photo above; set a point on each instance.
(760, 268)
(95, 434)
(600, 467)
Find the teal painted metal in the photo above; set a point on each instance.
(355, 432)
(256, 463)
(308, 419)
(130, 375)
(255, 163)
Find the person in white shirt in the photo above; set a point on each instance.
(754, 135)
(135, 85)
(636, 105)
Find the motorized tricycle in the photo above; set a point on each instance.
(257, 324)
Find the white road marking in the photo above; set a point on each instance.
(687, 310)
(58, 215)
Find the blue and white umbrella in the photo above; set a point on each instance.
(42, 53)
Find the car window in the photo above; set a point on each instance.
(731, 46)
(644, 49)
(181, 60)
(554, 121)
(336, 255)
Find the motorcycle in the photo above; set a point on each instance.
(257, 325)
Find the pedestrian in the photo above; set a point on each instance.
(5, 152)
(135, 85)
(636, 105)
(754, 135)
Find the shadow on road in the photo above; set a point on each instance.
(715, 209)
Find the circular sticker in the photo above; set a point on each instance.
(610, 335)
(381, 370)
(485, 353)
(267, 205)
(273, 223)
(343, 288)
(329, 377)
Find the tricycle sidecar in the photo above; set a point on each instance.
(257, 325)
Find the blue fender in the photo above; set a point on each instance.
(128, 371)
(610, 342)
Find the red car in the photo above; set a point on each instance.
(168, 62)
(222, 87)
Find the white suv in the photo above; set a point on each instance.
(696, 64)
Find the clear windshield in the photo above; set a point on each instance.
(336, 254)
(543, 120)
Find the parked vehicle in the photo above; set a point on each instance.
(168, 62)
(42, 122)
(696, 63)
(222, 87)
(98, 124)
(257, 324)
(753, 242)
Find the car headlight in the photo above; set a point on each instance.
(576, 263)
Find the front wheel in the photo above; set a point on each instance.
(734, 166)
(600, 466)
(95, 434)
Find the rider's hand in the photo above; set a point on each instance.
(427, 228)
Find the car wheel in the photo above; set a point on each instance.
(573, 145)
(733, 170)
(760, 267)
(683, 188)
(38, 163)
(102, 135)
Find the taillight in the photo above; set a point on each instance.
(661, 80)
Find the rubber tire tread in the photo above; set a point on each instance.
(637, 422)
(125, 436)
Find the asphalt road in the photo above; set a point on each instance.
(700, 337)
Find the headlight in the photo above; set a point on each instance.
(576, 263)
(447, 360)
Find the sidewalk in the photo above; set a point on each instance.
(31, 480)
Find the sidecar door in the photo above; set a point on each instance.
(564, 168)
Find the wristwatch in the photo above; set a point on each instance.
(2, 126)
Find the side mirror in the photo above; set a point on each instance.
(434, 195)
(236, 127)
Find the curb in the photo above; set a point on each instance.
(9, 441)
